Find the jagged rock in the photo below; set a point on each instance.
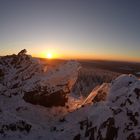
(22, 52)
(28, 77)
(98, 94)
(117, 118)
(17, 126)
(57, 98)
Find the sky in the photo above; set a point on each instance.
(71, 29)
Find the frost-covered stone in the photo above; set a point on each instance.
(114, 113)
(117, 118)
(98, 94)
(28, 77)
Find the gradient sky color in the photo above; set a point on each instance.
(87, 29)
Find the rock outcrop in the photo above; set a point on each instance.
(118, 117)
(111, 111)
(37, 83)
(98, 94)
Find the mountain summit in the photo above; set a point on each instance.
(35, 103)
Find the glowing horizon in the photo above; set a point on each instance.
(104, 30)
(59, 54)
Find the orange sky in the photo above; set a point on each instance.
(84, 29)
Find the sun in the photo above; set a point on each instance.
(49, 55)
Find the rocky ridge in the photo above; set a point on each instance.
(29, 106)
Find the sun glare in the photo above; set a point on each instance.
(49, 55)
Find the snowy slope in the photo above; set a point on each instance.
(22, 75)
(110, 112)
(117, 118)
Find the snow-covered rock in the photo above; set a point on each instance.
(98, 94)
(114, 113)
(38, 84)
(117, 118)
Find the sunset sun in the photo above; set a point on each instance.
(49, 55)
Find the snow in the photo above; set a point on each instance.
(120, 86)
(117, 116)
(122, 108)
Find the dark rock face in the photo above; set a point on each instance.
(91, 131)
(58, 98)
(77, 137)
(101, 96)
(111, 130)
(22, 52)
(1, 73)
(21, 126)
(137, 92)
